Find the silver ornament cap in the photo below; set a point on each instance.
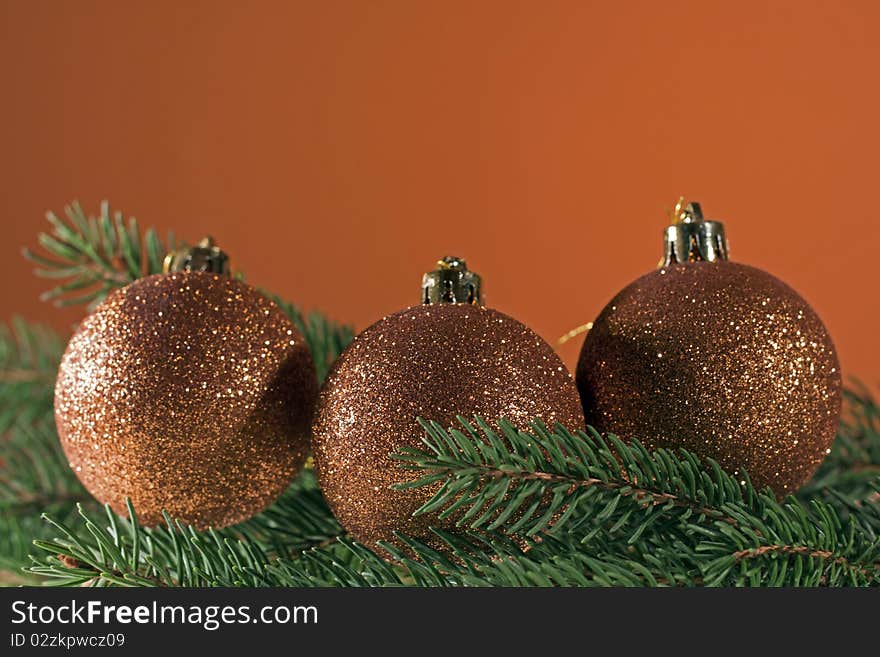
(690, 238)
(451, 282)
(204, 256)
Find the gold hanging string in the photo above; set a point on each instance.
(573, 333)
(678, 213)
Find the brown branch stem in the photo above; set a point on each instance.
(26, 376)
(825, 555)
(639, 494)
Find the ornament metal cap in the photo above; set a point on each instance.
(204, 256)
(691, 238)
(451, 282)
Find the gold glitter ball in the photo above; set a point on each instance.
(433, 361)
(187, 392)
(719, 358)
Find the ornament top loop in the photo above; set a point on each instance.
(451, 282)
(204, 256)
(691, 238)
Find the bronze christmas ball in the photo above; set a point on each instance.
(433, 361)
(187, 392)
(719, 358)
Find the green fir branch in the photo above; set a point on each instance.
(673, 507)
(34, 473)
(852, 470)
(656, 519)
(108, 550)
(470, 559)
(35, 478)
(29, 355)
(93, 255)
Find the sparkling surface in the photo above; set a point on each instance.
(722, 359)
(435, 362)
(189, 392)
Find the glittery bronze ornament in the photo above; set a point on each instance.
(448, 357)
(188, 392)
(716, 357)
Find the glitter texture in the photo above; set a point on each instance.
(189, 392)
(435, 362)
(719, 358)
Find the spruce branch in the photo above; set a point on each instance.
(640, 519)
(35, 471)
(852, 470)
(34, 475)
(594, 512)
(557, 483)
(93, 255)
(523, 480)
(34, 478)
(105, 549)
(29, 355)
(470, 559)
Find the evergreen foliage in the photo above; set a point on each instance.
(104, 549)
(852, 470)
(29, 355)
(93, 255)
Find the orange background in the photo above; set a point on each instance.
(338, 148)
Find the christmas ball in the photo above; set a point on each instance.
(719, 358)
(188, 392)
(450, 356)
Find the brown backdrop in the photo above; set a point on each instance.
(338, 148)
